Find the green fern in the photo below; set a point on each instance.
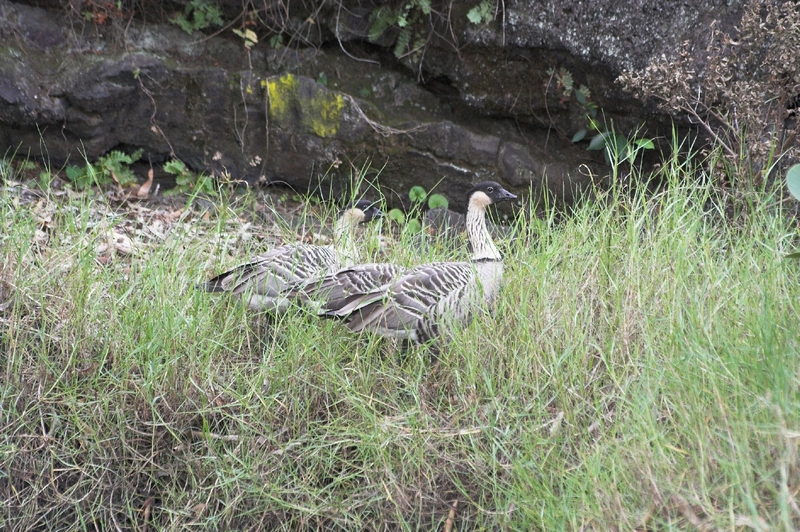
(186, 180)
(117, 163)
(381, 19)
(198, 15)
(82, 177)
(114, 164)
(403, 38)
(482, 13)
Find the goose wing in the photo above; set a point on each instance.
(418, 298)
(338, 290)
(272, 272)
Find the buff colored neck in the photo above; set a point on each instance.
(344, 236)
(483, 247)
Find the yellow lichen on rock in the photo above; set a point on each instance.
(326, 110)
(318, 109)
(282, 92)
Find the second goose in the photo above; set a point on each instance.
(265, 279)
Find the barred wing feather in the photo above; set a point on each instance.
(272, 272)
(340, 290)
(416, 304)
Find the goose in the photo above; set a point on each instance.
(414, 305)
(265, 279)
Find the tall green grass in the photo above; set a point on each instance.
(640, 371)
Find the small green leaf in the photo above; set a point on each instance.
(474, 15)
(795, 255)
(175, 167)
(276, 41)
(414, 226)
(577, 137)
(580, 97)
(437, 200)
(205, 183)
(598, 142)
(793, 181)
(45, 179)
(74, 172)
(646, 144)
(620, 145)
(396, 215)
(417, 194)
(322, 79)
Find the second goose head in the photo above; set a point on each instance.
(358, 212)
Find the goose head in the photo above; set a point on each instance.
(486, 193)
(360, 212)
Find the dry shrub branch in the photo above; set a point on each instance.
(744, 94)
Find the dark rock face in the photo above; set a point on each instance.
(311, 117)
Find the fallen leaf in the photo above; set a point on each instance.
(122, 243)
(144, 190)
(114, 178)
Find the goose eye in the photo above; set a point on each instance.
(490, 189)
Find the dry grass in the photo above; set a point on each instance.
(641, 372)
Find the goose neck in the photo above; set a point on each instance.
(483, 248)
(344, 241)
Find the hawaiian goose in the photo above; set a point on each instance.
(265, 279)
(413, 304)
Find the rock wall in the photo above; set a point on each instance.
(479, 103)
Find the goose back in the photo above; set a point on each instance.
(330, 294)
(265, 280)
(268, 275)
(425, 299)
(418, 303)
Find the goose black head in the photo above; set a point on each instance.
(487, 192)
(362, 211)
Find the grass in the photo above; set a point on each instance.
(640, 372)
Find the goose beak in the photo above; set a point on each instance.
(506, 195)
(372, 214)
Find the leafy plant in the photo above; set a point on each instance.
(276, 41)
(46, 179)
(617, 148)
(114, 167)
(793, 184)
(793, 181)
(483, 13)
(437, 200)
(397, 216)
(199, 15)
(249, 36)
(583, 97)
(417, 194)
(188, 181)
(414, 225)
(408, 19)
(411, 223)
